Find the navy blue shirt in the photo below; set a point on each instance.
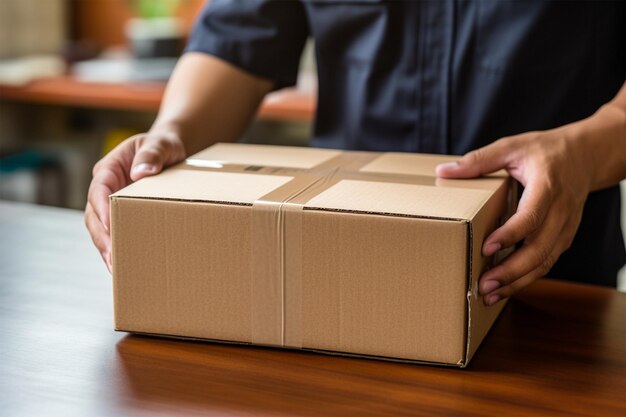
(442, 76)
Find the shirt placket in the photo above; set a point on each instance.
(435, 43)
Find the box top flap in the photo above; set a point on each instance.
(401, 199)
(182, 184)
(386, 183)
(406, 163)
(397, 163)
(265, 155)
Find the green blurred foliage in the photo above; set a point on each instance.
(150, 9)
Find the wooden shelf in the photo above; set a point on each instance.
(288, 104)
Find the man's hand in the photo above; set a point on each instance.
(556, 173)
(137, 157)
(196, 108)
(558, 169)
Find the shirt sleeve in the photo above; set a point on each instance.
(262, 37)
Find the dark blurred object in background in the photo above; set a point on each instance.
(33, 176)
(80, 50)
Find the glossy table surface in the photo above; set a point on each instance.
(559, 349)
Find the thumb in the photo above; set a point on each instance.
(153, 155)
(479, 162)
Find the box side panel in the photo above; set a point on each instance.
(384, 286)
(182, 268)
(492, 215)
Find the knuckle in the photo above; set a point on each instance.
(506, 274)
(111, 174)
(549, 181)
(136, 140)
(507, 235)
(568, 239)
(162, 146)
(86, 219)
(96, 168)
(533, 218)
(93, 231)
(543, 269)
(542, 256)
(165, 144)
(171, 146)
(507, 291)
(570, 233)
(153, 154)
(474, 156)
(101, 165)
(507, 141)
(90, 192)
(548, 261)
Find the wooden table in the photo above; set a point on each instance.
(559, 349)
(289, 105)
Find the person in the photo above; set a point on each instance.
(536, 88)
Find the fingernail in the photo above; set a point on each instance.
(492, 299)
(143, 167)
(492, 248)
(447, 165)
(487, 286)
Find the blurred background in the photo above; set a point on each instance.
(79, 76)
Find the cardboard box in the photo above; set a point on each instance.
(356, 253)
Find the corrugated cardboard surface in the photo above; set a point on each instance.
(359, 253)
(384, 289)
(403, 199)
(494, 213)
(180, 184)
(266, 155)
(175, 271)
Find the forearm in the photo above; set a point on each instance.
(604, 139)
(208, 100)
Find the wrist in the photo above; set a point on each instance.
(602, 140)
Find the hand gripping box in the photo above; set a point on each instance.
(355, 253)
